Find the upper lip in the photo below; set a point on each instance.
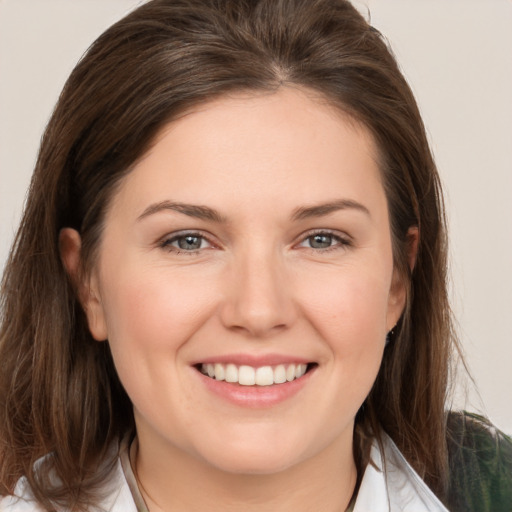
(253, 360)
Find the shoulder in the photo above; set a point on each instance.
(480, 458)
(114, 496)
(21, 501)
(390, 483)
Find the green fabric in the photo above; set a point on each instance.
(480, 465)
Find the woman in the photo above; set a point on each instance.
(231, 275)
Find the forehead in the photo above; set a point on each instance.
(287, 144)
(286, 112)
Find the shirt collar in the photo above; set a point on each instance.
(393, 485)
(387, 486)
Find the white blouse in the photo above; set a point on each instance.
(397, 488)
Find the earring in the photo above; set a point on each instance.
(390, 336)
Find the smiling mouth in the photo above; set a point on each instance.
(251, 376)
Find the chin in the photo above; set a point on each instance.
(243, 466)
(256, 459)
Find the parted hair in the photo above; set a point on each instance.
(59, 391)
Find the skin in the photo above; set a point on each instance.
(258, 285)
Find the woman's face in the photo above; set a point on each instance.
(252, 240)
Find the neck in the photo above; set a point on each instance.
(177, 481)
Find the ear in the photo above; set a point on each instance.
(86, 287)
(398, 291)
(413, 239)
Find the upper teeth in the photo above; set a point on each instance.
(249, 376)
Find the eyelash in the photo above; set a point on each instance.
(341, 242)
(166, 243)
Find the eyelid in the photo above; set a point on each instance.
(344, 239)
(166, 241)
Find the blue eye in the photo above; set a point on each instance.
(323, 240)
(186, 242)
(320, 241)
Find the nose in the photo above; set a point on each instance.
(259, 301)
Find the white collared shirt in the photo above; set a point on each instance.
(398, 488)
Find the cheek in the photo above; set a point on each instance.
(152, 313)
(352, 322)
(149, 317)
(349, 309)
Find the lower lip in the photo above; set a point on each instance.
(255, 396)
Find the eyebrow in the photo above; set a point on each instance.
(207, 213)
(192, 210)
(323, 209)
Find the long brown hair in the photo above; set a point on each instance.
(59, 392)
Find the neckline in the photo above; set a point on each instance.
(127, 451)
